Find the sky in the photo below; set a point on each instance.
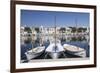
(47, 18)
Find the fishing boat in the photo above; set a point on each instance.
(33, 53)
(74, 50)
(55, 50)
(37, 51)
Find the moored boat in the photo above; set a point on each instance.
(74, 50)
(33, 53)
(55, 50)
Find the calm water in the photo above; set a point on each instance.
(27, 44)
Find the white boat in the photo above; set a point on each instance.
(33, 53)
(74, 50)
(55, 50)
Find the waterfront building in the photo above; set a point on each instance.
(22, 31)
(46, 32)
(68, 30)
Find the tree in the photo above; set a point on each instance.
(37, 30)
(27, 29)
(62, 29)
(74, 29)
(82, 29)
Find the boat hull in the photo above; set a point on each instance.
(54, 55)
(75, 50)
(79, 53)
(31, 54)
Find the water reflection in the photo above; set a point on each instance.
(34, 39)
(29, 42)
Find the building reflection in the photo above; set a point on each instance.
(40, 36)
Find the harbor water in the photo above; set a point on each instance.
(27, 43)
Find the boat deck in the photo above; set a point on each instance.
(72, 48)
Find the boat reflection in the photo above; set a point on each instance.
(47, 50)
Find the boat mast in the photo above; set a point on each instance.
(76, 28)
(76, 31)
(55, 30)
(55, 33)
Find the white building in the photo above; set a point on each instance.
(68, 30)
(22, 31)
